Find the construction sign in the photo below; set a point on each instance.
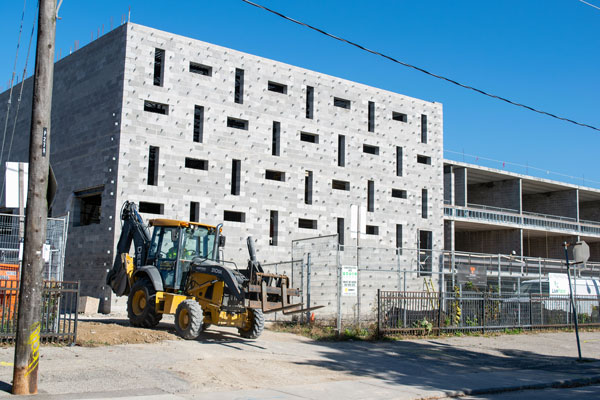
(349, 280)
(471, 273)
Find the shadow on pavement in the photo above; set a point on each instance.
(435, 365)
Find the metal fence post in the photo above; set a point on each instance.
(308, 272)
(499, 275)
(378, 312)
(404, 302)
(339, 291)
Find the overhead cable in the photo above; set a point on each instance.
(514, 103)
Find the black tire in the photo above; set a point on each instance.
(189, 319)
(141, 305)
(256, 324)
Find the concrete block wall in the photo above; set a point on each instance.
(490, 241)
(86, 108)
(549, 246)
(562, 203)
(502, 194)
(173, 133)
(589, 210)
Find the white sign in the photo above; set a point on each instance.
(349, 280)
(559, 284)
(12, 184)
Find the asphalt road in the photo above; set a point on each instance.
(284, 366)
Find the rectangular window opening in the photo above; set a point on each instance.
(423, 128)
(398, 239)
(372, 230)
(277, 87)
(152, 208)
(308, 187)
(237, 123)
(370, 196)
(200, 69)
(153, 155)
(398, 161)
(159, 66)
(195, 163)
(275, 175)
(423, 159)
(194, 211)
(307, 223)
(276, 143)
(309, 137)
(310, 96)
(273, 227)
(397, 116)
(340, 185)
(88, 206)
(198, 124)
(234, 216)
(239, 86)
(342, 103)
(236, 171)
(425, 253)
(157, 108)
(370, 149)
(399, 193)
(341, 151)
(371, 123)
(340, 231)
(424, 203)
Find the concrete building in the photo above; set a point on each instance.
(497, 212)
(194, 131)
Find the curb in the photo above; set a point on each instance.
(567, 383)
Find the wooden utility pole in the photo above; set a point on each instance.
(27, 347)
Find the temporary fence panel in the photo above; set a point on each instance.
(11, 243)
(58, 319)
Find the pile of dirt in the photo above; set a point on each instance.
(93, 334)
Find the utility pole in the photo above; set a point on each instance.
(27, 347)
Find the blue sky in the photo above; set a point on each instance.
(545, 54)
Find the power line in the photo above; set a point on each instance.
(589, 4)
(12, 79)
(514, 103)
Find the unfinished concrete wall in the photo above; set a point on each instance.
(493, 241)
(589, 210)
(460, 186)
(562, 203)
(177, 185)
(547, 247)
(502, 194)
(86, 111)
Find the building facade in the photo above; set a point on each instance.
(194, 131)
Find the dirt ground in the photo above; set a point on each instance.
(110, 332)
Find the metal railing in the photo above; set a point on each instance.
(525, 219)
(58, 318)
(402, 312)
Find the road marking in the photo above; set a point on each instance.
(590, 340)
(6, 364)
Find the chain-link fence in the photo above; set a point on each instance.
(12, 228)
(346, 279)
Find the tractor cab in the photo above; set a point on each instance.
(175, 244)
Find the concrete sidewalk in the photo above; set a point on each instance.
(283, 366)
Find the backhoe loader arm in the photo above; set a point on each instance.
(132, 230)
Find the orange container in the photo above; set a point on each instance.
(9, 282)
